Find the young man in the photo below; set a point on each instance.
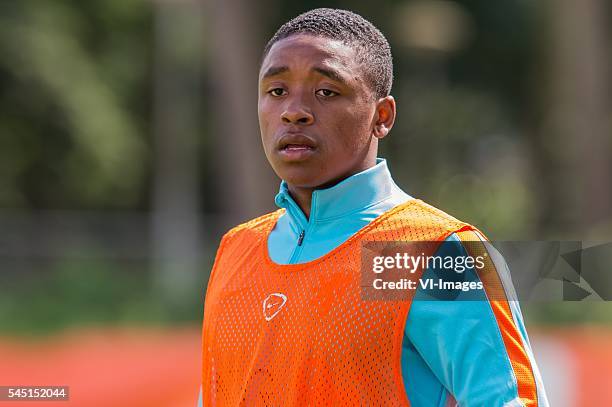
(285, 321)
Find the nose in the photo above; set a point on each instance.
(297, 113)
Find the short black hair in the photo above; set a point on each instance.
(355, 31)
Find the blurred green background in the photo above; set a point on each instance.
(129, 140)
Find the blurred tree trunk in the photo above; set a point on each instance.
(246, 183)
(577, 132)
(176, 238)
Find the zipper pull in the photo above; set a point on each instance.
(301, 238)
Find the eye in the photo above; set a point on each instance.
(277, 92)
(326, 93)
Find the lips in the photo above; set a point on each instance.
(295, 147)
(293, 141)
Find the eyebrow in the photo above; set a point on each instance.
(274, 70)
(330, 73)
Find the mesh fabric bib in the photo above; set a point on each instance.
(302, 334)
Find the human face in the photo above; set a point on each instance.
(317, 115)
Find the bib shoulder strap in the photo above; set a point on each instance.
(415, 220)
(254, 230)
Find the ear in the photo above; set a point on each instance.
(384, 116)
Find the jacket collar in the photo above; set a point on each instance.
(350, 196)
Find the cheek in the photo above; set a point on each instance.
(265, 121)
(353, 127)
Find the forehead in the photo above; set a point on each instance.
(305, 51)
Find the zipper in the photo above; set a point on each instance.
(298, 248)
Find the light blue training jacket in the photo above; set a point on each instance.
(452, 352)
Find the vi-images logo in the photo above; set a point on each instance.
(273, 304)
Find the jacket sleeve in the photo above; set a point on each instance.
(473, 343)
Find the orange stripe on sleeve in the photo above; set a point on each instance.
(511, 336)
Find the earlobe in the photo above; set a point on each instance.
(380, 131)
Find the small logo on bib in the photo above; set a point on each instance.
(273, 304)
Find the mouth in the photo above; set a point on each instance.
(296, 147)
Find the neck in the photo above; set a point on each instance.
(303, 195)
